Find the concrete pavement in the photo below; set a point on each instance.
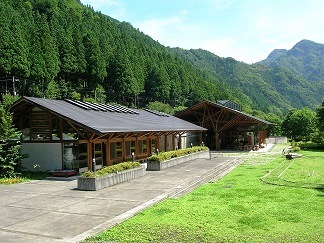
(55, 211)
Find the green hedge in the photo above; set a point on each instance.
(111, 169)
(311, 146)
(162, 156)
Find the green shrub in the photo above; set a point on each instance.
(162, 156)
(312, 146)
(295, 149)
(111, 169)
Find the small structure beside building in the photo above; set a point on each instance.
(68, 134)
(228, 127)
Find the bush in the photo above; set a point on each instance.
(295, 149)
(312, 146)
(176, 153)
(111, 169)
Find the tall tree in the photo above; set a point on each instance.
(13, 44)
(320, 117)
(10, 143)
(299, 124)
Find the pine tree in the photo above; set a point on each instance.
(10, 143)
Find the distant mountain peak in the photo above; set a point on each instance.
(277, 53)
(305, 59)
(307, 46)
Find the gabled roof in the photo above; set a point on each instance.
(228, 118)
(103, 119)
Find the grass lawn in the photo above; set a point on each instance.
(238, 208)
(24, 177)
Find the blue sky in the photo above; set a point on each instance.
(247, 30)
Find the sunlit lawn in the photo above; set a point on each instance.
(238, 208)
(308, 169)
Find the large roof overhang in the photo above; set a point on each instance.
(219, 118)
(102, 123)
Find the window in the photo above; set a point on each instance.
(112, 150)
(116, 150)
(119, 149)
(130, 147)
(98, 153)
(55, 128)
(153, 149)
(39, 125)
(142, 146)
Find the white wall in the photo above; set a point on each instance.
(276, 140)
(47, 155)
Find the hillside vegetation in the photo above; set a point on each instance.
(63, 49)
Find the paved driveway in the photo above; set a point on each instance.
(55, 211)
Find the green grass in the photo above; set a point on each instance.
(24, 177)
(307, 171)
(238, 208)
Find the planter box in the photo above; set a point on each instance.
(94, 184)
(156, 165)
(63, 173)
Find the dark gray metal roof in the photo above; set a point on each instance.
(114, 119)
(217, 105)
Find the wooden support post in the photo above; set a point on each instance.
(108, 161)
(157, 143)
(217, 141)
(180, 141)
(61, 128)
(200, 138)
(89, 155)
(165, 142)
(50, 117)
(173, 142)
(136, 148)
(124, 149)
(148, 147)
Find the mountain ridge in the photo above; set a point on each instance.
(64, 49)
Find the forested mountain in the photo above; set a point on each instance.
(286, 79)
(305, 59)
(57, 47)
(62, 49)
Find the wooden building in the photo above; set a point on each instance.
(67, 134)
(228, 127)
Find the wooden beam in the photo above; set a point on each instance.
(108, 161)
(217, 141)
(61, 128)
(77, 130)
(50, 126)
(89, 155)
(124, 149)
(92, 136)
(180, 141)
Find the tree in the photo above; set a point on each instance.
(320, 117)
(10, 143)
(53, 90)
(158, 106)
(299, 124)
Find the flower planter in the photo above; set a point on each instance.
(94, 184)
(156, 165)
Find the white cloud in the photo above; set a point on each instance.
(158, 28)
(184, 12)
(245, 30)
